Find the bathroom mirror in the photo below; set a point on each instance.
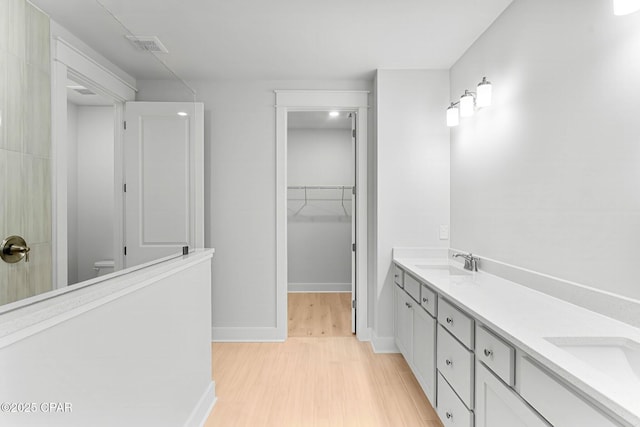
(72, 218)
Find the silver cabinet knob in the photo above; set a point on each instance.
(448, 362)
(449, 415)
(449, 320)
(425, 300)
(487, 352)
(409, 305)
(13, 249)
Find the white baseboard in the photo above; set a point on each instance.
(364, 335)
(319, 287)
(243, 334)
(203, 408)
(383, 344)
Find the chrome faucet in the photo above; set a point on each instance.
(470, 261)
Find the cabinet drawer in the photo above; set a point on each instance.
(412, 287)
(428, 300)
(456, 322)
(455, 363)
(554, 401)
(451, 410)
(496, 355)
(398, 276)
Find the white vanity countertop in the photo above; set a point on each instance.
(526, 317)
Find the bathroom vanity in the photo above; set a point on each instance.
(489, 352)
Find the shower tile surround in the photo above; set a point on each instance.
(25, 146)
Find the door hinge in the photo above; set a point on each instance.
(353, 190)
(353, 133)
(353, 303)
(353, 247)
(124, 187)
(125, 251)
(125, 125)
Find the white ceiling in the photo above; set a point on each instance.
(279, 39)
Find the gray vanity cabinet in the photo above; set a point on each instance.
(415, 337)
(499, 406)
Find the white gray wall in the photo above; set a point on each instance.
(91, 208)
(128, 357)
(547, 178)
(240, 191)
(319, 235)
(412, 183)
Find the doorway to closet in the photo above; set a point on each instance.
(321, 223)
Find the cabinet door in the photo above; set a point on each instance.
(424, 352)
(404, 324)
(498, 406)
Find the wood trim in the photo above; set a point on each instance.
(87, 66)
(246, 334)
(65, 60)
(322, 100)
(203, 408)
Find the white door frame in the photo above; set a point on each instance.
(67, 60)
(315, 100)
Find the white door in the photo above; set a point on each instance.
(164, 179)
(353, 227)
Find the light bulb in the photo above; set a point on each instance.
(334, 114)
(467, 104)
(452, 115)
(625, 7)
(484, 93)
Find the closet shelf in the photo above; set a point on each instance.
(319, 187)
(343, 197)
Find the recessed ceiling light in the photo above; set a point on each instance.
(182, 114)
(334, 113)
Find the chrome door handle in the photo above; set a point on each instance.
(13, 249)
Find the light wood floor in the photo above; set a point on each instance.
(316, 380)
(319, 314)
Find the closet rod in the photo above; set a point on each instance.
(319, 187)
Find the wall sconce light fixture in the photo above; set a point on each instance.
(468, 103)
(625, 7)
(453, 115)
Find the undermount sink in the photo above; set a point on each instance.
(452, 271)
(619, 358)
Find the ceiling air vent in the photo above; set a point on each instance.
(84, 91)
(81, 90)
(148, 43)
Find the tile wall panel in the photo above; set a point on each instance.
(25, 146)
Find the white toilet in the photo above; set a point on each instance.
(103, 267)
